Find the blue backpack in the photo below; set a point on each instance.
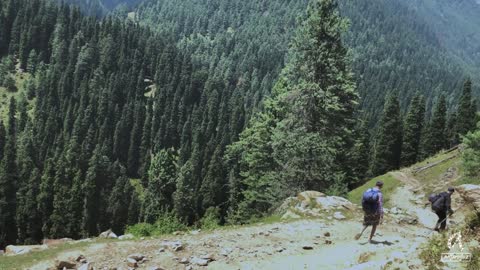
(370, 200)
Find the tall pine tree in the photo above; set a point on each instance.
(412, 131)
(466, 110)
(9, 182)
(388, 143)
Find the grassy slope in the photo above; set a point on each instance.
(390, 184)
(26, 260)
(20, 79)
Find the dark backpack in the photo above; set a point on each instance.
(370, 200)
(433, 197)
(438, 202)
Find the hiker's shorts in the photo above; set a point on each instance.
(371, 219)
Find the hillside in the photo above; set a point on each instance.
(309, 243)
(212, 111)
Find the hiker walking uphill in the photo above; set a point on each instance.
(441, 205)
(372, 204)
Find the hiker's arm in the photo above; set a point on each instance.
(380, 204)
(448, 204)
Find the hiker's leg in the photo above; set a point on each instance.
(443, 220)
(374, 228)
(360, 234)
(439, 215)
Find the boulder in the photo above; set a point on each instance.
(226, 251)
(334, 202)
(132, 263)
(290, 215)
(156, 268)
(199, 261)
(173, 245)
(209, 257)
(286, 205)
(184, 261)
(339, 216)
(307, 247)
(85, 266)
(137, 257)
(108, 234)
(126, 237)
(309, 196)
(61, 264)
(18, 250)
(406, 219)
(470, 194)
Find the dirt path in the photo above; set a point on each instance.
(282, 245)
(275, 246)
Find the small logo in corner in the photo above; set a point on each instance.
(455, 241)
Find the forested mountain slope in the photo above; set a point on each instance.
(395, 46)
(102, 7)
(115, 122)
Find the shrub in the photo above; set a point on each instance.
(471, 154)
(141, 229)
(474, 263)
(211, 219)
(166, 223)
(432, 251)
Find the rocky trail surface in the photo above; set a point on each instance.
(324, 242)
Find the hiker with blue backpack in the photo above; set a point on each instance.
(372, 204)
(442, 205)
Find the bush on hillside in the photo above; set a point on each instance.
(165, 224)
(432, 251)
(471, 154)
(211, 219)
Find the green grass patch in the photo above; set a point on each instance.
(432, 177)
(27, 260)
(465, 179)
(5, 95)
(431, 252)
(390, 183)
(440, 156)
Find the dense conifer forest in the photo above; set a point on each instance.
(218, 107)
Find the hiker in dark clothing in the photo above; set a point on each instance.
(372, 203)
(442, 205)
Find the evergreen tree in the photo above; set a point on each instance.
(183, 197)
(314, 139)
(8, 183)
(2, 140)
(412, 131)
(360, 155)
(118, 200)
(466, 114)
(388, 143)
(452, 133)
(161, 185)
(436, 134)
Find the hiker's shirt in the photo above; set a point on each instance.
(380, 201)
